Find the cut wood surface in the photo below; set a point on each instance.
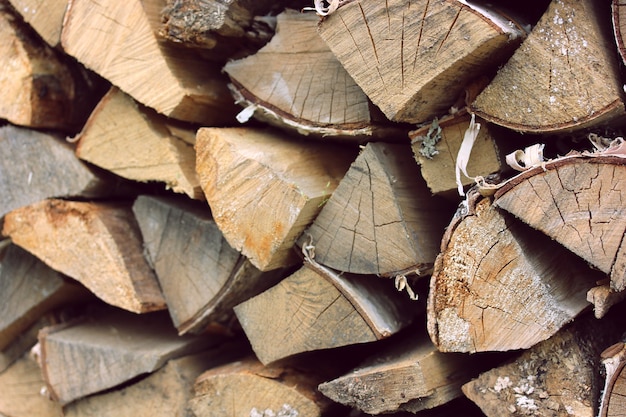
(28, 289)
(21, 387)
(411, 375)
(500, 285)
(436, 147)
(578, 202)
(109, 348)
(97, 244)
(308, 311)
(135, 142)
(247, 388)
(174, 82)
(563, 77)
(381, 219)
(613, 400)
(41, 88)
(557, 377)
(48, 168)
(46, 17)
(295, 81)
(413, 60)
(201, 276)
(264, 187)
(165, 393)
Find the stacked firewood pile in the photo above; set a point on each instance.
(277, 208)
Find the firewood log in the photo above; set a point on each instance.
(296, 82)
(409, 375)
(98, 244)
(264, 188)
(21, 386)
(381, 219)
(414, 60)
(563, 77)
(557, 377)
(612, 401)
(164, 393)
(45, 17)
(315, 309)
(577, 202)
(247, 388)
(108, 348)
(121, 45)
(41, 88)
(137, 143)
(25, 341)
(436, 147)
(48, 168)
(201, 276)
(28, 289)
(500, 285)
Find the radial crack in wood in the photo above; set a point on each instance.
(499, 285)
(413, 59)
(563, 77)
(97, 244)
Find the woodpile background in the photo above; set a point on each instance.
(278, 208)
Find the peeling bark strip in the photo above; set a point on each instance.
(499, 285)
(563, 77)
(579, 203)
(413, 59)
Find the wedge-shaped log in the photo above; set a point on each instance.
(381, 219)
(311, 310)
(414, 59)
(247, 388)
(28, 289)
(173, 81)
(563, 77)
(45, 17)
(26, 340)
(201, 276)
(411, 375)
(109, 348)
(295, 81)
(21, 391)
(97, 244)
(165, 393)
(41, 88)
(557, 377)
(264, 188)
(48, 168)
(500, 285)
(135, 142)
(576, 201)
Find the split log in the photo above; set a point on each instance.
(97, 244)
(500, 285)
(563, 77)
(612, 402)
(296, 82)
(48, 168)
(173, 81)
(45, 17)
(436, 147)
(410, 375)
(136, 143)
(21, 387)
(577, 201)
(311, 310)
(381, 219)
(247, 388)
(264, 188)
(557, 377)
(413, 60)
(109, 348)
(165, 393)
(41, 88)
(25, 341)
(201, 276)
(29, 289)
